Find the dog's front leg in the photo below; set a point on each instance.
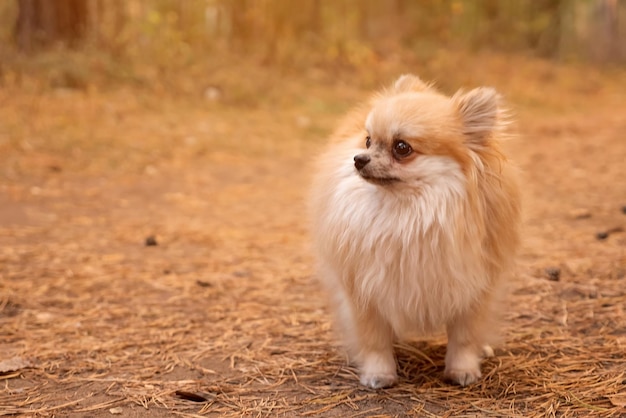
(372, 346)
(468, 339)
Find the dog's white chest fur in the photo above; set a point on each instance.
(404, 255)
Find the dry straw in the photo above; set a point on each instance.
(223, 318)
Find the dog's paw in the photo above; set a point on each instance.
(463, 377)
(377, 381)
(378, 369)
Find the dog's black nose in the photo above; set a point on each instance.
(361, 161)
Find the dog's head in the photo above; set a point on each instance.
(416, 136)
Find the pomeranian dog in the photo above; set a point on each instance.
(415, 217)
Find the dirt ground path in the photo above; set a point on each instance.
(225, 308)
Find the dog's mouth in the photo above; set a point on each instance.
(381, 181)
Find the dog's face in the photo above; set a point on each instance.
(415, 136)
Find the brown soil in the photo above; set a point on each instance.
(226, 307)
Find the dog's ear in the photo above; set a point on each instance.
(479, 110)
(409, 82)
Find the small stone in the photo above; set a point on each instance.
(602, 235)
(553, 273)
(151, 241)
(202, 283)
(116, 411)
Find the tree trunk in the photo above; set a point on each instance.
(604, 39)
(25, 26)
(45, 22)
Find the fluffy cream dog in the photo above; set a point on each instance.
(415, 214)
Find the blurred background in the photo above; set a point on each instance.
(140, 41)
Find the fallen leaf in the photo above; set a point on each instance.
(618, 400)
(13, 365)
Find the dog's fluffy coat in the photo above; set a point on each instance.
(417, 243)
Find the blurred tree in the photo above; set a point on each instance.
(357, 31)
(543, 26)
(606, 29)
(43, 22)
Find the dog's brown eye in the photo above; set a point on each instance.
(401, 149)
(368, 141)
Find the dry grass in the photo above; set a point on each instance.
(225, 307)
